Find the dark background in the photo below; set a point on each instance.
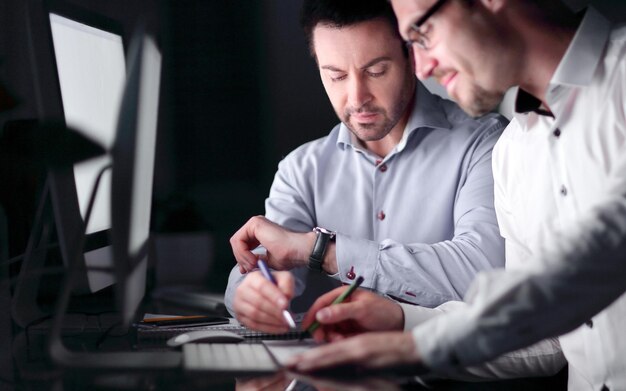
(239, 92)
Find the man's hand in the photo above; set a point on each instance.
(277, 382)
(258, 303)
(362, 311)
(367, 351)
(285, 249)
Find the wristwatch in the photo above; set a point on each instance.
(323, 236)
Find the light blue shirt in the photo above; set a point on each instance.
(417, 225)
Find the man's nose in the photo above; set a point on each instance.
(424, 63)
(359, 93)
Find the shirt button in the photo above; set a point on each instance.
(381, 215)
(557, 132)
(351, 274)
(383, 168)
(563, 190)
(589, 323)
(378, 162)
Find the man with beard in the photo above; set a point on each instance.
(560, 194)
(402, 186)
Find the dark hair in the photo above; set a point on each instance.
(342, 13)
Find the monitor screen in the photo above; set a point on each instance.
(91, 71)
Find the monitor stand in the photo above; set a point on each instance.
(25, 309)
(125, 360)
(24, 306)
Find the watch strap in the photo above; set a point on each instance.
(322, 238)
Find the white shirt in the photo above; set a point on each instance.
(560, 188)
(417, 224)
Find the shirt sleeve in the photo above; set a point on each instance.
(431, 274)
(545, 358)
(580, 274)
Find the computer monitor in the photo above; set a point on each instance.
(79, 63)
(133, 155)
(133, 167)
(91, 71)
(79, 70)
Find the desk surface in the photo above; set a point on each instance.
(30, 368)
(25, 364)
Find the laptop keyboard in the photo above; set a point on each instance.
(242, 357)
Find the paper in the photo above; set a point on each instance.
(283, 350)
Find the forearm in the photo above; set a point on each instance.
(424, 274)
(234, 280)
(542, 359)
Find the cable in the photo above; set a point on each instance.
(55, 341)
(18, 258)
(108, 331)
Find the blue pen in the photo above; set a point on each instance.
(266, 272)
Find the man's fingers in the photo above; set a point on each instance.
(256, 324)
(271, 293)
(325, 356)
(323, 301)
(285, 283)
(374, 350)
(253, 317)
(261, 309)
(260, 302)
(339, 312)
(246, 260)
(262, 293)
(243, 241)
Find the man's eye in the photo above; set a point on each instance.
(419, 37)
(337, 76)
(425, 30)
(377, 70)
(376, 74)
(414, 35)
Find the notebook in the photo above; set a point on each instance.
(152, 335)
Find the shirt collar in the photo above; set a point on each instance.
(577, 66)
(584, 53)
(526, 102)
(426, 112)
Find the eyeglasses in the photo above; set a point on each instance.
(421, 40)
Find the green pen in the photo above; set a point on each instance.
(338, 300)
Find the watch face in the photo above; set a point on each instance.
(325, 231)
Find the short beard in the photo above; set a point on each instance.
(482, 101)
(380, 130)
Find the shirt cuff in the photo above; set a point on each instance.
(356, 257)
(415, 315)
(440, 339)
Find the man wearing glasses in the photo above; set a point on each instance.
(560, 190)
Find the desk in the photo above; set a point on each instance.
(32, 370)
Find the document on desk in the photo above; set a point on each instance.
(283, 350)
